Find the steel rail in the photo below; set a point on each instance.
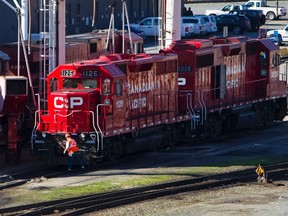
(90, 203)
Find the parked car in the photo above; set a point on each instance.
(150, 25)
(256, 17)
(196, 24)
(225, 9)
(211, 25)
(279, 35)
(237, 24)
(271, 12)
(190, 26)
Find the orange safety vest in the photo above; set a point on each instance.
(72, 146)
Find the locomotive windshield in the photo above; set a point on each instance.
(69, 83)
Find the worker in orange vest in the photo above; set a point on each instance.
(72, 149)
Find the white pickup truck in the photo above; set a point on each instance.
(279, 36)
(190, 26)
(270, 12)
(225, 9)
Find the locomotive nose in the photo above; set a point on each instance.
(72, 110)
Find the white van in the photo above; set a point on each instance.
(190, 26)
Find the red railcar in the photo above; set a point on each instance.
(13, 98)
(123, 103)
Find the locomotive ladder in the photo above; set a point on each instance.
(48, 50)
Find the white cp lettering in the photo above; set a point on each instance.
(60, 102)
(75, 101)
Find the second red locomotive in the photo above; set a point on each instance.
(122, 103)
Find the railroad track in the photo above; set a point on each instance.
(92, 203)
(60, 170)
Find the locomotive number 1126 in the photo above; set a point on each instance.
(89, 73)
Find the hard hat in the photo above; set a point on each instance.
(67, 135)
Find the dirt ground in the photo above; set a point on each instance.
(253, 200)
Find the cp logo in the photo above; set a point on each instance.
(60, 102)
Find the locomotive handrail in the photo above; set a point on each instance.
(93, 124)
(37, 113)
(191, 110)
(201, 105)
(205, 107)
(100, 131)
(33, 135)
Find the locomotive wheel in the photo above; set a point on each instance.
(115, 150)
(213, 126)
(12, 156)
(168, 137)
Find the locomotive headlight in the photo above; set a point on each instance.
(82, 135)
(44, 135)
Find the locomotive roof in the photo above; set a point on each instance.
(134, 37)
(194, 43)
(113, 70)
(268, 43)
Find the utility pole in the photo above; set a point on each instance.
(171, 21)
(61, 31)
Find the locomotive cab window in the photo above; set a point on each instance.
(54, 84)
(138, 48)
(219, 81)
(93, 48)
(128, 48)
(122, 67)
(276, 59)
(106, 89)
(70, 83)
(263, 59)
(89, 83)
(118, 88)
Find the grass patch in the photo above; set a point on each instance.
(47, 194)
(199, 170)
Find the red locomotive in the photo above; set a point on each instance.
(13, 98)
(122, 103)
(78, 47)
